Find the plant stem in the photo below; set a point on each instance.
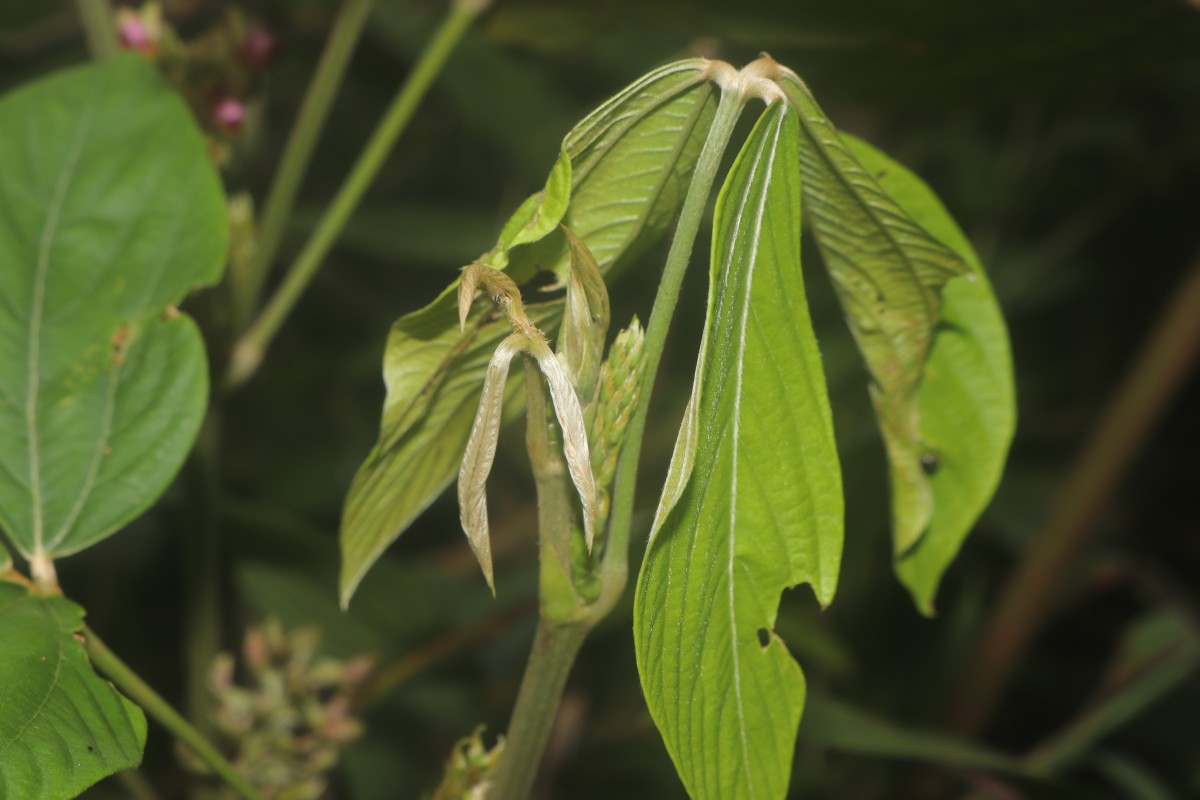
(615, 569)
(202, 568)
(99, 28)
(314, 110)
(1028, 598)
(249, 350)
(554, 649)
(140, 692)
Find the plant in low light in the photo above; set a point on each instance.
(752, 503)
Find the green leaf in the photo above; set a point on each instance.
(630, 162)
(966, 400)
(762, 510)
(888, 273)
(62, 727)
(109, 213)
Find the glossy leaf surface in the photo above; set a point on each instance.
(888, 272)
(62, 727)
(109, 214)
(762, 509)
(966, 400)
(629, 166)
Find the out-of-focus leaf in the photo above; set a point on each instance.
(630, 162)
(828, 723)
(1134, 779)
(1155, 655)
(762, 510)
(888, 273)
(966, 399)
(109, 213)
(62, 727)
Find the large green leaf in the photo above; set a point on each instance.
(888, 273)
(762, 509)
(109, 213)
(62, 727)
(629, 164)
(966, 399)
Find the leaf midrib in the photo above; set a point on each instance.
(33, 374)
(743, 324)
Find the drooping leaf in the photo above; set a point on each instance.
(888, 273)
(481, 451)
(762, 510)
(630, 164)
(109, 213)
(62, 727)
(966, 400)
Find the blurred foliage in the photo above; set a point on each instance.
(1065, 137)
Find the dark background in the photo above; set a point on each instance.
(1065, 138)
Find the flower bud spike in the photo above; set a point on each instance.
(481, 452)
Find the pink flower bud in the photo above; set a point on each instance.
(228, 112)
(133, 34)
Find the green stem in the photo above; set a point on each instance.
(136, 785)
(314, 110)
(140, 692)
(615, 569)
(248, 352)
(202, 570)
(99, 28)
(1030, 595)
(554, 650)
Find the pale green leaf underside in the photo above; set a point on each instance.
(966, 400)
(762, 509)
(630, 164)
(62, 727)
(888, 273)
(109, 213)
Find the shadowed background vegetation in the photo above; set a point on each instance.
(1064, 137)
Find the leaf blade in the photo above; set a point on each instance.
(129, 218)
(967, 398)
(888, 273)
(62, 727)
(740, 532)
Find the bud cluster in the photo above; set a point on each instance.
(287, 728)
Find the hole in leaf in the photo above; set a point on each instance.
(764, 637)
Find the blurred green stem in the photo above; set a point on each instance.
(564, 620)
(202, 568)
(326, 81)
(140, 692)
(136, 785)
(99, 28)
(248, 351)
(1029, 597)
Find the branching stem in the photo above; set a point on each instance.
(249, 350)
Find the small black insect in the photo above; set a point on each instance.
(930, 462)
